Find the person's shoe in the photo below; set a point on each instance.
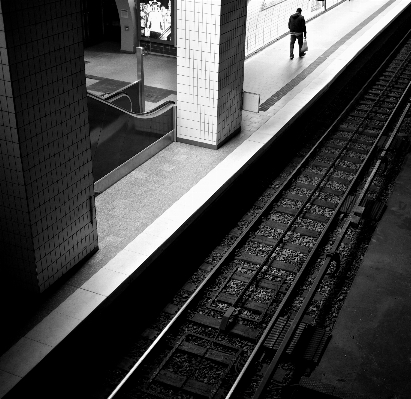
(291, 57)
(302, 54)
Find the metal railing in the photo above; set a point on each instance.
(122, 140)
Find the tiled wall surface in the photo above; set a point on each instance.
(210, 69)
(267, 20)
(46, 204)
(332, 3)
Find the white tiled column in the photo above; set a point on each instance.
(210, 70)
(46, 183)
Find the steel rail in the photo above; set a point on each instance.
(242, 375)
(234, 246)
(194, 295)
(290, 226)
(352, 220)
(383, 153)
(314, 192)
(231, 310)
(298, 317)
(226, 256)
(295, 322)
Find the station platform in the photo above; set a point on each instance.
(141, 215)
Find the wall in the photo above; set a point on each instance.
(333, 3)
(267, 20)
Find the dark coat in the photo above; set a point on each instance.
(296, 23)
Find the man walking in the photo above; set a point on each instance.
(296, 24)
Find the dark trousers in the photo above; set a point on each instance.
(155, 35)
(293, 38)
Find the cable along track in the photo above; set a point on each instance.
(251, 304)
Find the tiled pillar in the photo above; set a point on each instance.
(210, 70)
(46, 205)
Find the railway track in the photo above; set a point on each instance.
(249, 317)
